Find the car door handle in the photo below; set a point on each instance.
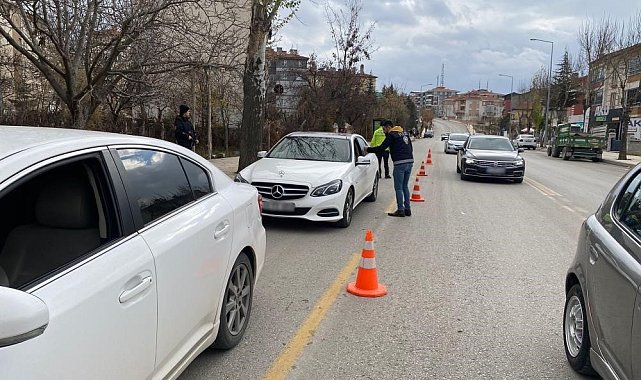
(139, 288)
(595, 252)
(221, 230)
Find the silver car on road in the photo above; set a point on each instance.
(602, 316)
(455, 140)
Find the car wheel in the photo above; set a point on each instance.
(347, 210)
(556, 152)
(575, 332)
(372, 197)
(463, 175)
(549, 151)
(237, 304)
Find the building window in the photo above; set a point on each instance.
(634, 66)
(613, 100)
(597, 98)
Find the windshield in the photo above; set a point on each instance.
(527, 137)
(458, 137)
(490, 144)
(312, 148)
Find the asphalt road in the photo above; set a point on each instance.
(475, 280)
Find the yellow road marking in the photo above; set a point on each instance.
(542, 187)
(288, 356)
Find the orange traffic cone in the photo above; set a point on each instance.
(416, 193)
(366, 284)
(422, 172)
(429, 157)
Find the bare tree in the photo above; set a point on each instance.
(264, 20)
(611, 49)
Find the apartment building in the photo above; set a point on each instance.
(479, 107)
(286, 78)
(606, 76)
(433, 98)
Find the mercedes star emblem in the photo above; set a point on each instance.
(281, 173)
(277, 191)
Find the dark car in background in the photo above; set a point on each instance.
(490, 156)
(444, 136)
(602, 314)
(429, 133)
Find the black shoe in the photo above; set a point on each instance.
(408, 212)
(399, 213)
(387, 176)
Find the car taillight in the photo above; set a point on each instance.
(260, 203)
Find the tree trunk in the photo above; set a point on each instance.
(623, 150)
(251, 136)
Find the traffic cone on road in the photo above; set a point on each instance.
(366, 284)
(422, 172)
(416, 193)
(429, 157)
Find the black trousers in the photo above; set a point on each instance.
(383, 157)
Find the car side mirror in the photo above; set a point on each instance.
(363, 161)
(262, 154)
(24, 316)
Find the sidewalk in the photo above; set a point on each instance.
(228, 165)
(611, 158)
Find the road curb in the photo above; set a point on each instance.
(619, 163)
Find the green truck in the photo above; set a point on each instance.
(568, 141)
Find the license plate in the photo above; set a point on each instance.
(495, 170)
(278, 206)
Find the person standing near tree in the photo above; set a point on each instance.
(377, 139)
(400, 145)
(184, 130)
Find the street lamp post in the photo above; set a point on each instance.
(547, 102)
(511, 92)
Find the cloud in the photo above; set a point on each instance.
(475, 39)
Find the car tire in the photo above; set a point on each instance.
(348, 208)
(549, 151)
(237, 302)
(464, 176)
(556, 152)
(372, 197)
(576, 337)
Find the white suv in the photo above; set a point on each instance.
(525, 141)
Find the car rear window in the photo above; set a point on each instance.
(458, 137)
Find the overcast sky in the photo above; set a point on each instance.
(475, 39)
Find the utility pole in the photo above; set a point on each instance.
(547, 102)
(511, 104)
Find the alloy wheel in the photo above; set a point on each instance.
(238, 299)
(574, 322)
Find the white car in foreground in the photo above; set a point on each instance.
(315, 176)
(120, 257)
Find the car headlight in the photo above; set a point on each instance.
(239, 178)
(519, 163)
(328, 188)
(470, 160)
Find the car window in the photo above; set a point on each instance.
(631, 215)
(61, 214)
(458, 137)
(156, 182)
(362, 144)
(623, 203)
(490, 144)
(312, 148)
(198, 179)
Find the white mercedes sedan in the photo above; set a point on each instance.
(121, 257)
(316, 176)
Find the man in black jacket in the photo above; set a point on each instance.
(400, 146)
(185, 133)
